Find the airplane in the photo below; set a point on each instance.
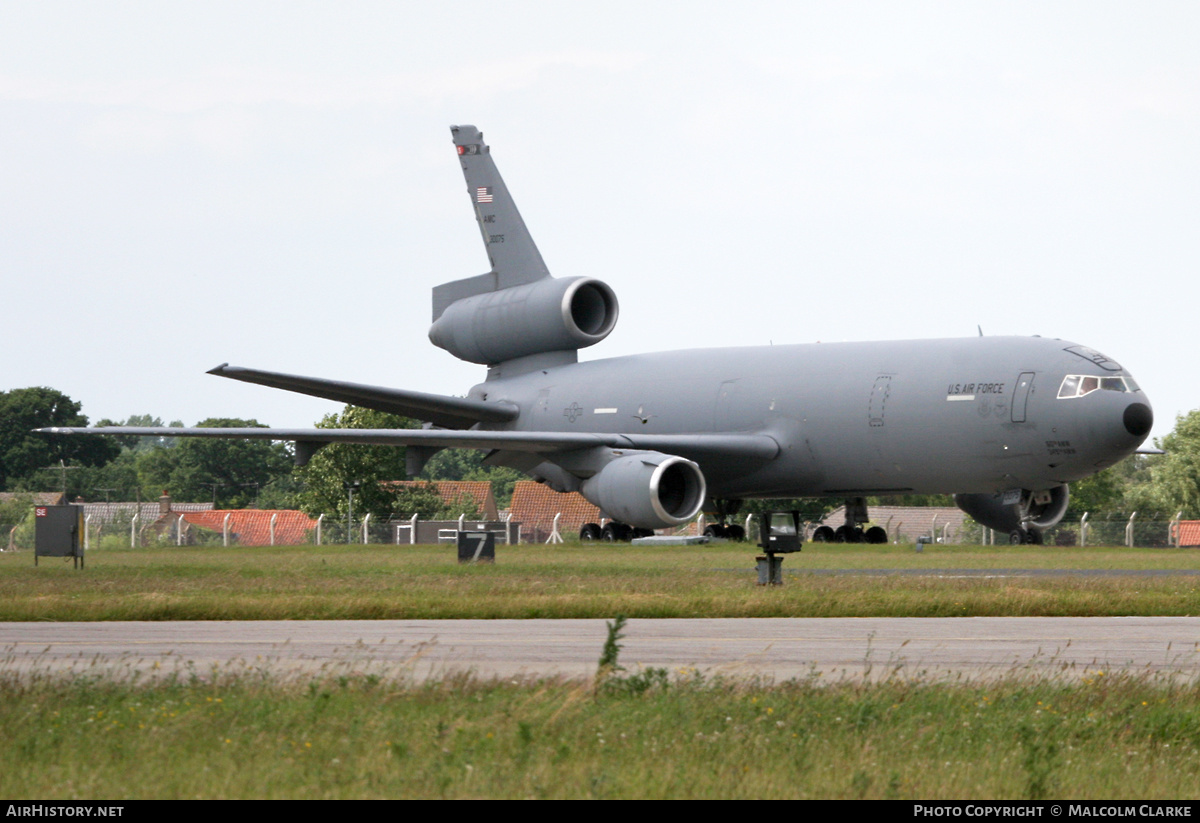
(1003, 423)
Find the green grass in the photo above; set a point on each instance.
(374, 582)
(245, 733)
(644, 736)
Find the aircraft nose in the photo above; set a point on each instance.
(1138, 419)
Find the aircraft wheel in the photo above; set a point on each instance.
(823, 534)
(876, 534)
(616, 533)
(1035, 537)
(1016, 537)
(589, 532)
(844, 534)
(735, 533)
(715, 530)
(643, 533)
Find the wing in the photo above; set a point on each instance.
(700, 447)
(449, 412)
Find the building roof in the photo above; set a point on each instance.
(107, 513)
(477, 492)
(38, 498)
(252, 527)
(534, 506)
(1189, 532)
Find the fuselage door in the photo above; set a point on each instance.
(879, 396)
(1021, 396)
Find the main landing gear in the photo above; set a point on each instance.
(852, 531)
(611, 532)
(726, 509)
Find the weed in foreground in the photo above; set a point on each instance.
(342, 734)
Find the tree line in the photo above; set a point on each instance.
(260, 473)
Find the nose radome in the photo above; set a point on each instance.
(1138, 419)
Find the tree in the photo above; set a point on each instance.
(329, 471)
(1174, 477)
(23, 453)
(467, 464)
(230, 473)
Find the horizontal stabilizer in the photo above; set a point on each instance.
(450, 412)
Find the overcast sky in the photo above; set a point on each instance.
(273, 184)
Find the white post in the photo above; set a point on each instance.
(555, 537)
(87, 527)
(225, 528)
(320, 520)
(1173, 530)
(700, 524)
(133, 530)
(412, 532)
(933, 530)
(1083, 527)
(366, 520)
(747, 524)
(274, 517)
(460, 520)
(1129, 531)
(179, 531)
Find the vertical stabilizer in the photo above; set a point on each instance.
(514, 257)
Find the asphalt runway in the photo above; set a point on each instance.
(773, 649)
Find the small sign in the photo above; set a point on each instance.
(40, 511)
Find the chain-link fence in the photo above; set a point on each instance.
(1105, 530)
(120, 528)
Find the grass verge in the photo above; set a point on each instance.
(401, 582)
(646, 734)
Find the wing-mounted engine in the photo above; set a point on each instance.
(650, 490)
(549, 315)
(1022, 514)
(517, 309)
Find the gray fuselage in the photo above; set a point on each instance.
(978, 414)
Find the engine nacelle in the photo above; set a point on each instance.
(551, 314)
(650, 490)
(1034, 510)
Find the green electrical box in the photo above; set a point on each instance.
(59, 533)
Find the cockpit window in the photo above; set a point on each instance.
(1077, 385)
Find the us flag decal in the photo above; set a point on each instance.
(483, 194)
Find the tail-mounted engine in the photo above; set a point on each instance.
(517, 309)
(1021, 514)
(548, 315)
(650, 490)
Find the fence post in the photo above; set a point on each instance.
(1083, 527)
(412, 532)
(179, 531)
(320, 520)
(1129, 531)
(225, 529)
(274, 517)
(1173, 530)
(87, 527)
(366, 520)
(555, 537)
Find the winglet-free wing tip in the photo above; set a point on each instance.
(219, 369)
